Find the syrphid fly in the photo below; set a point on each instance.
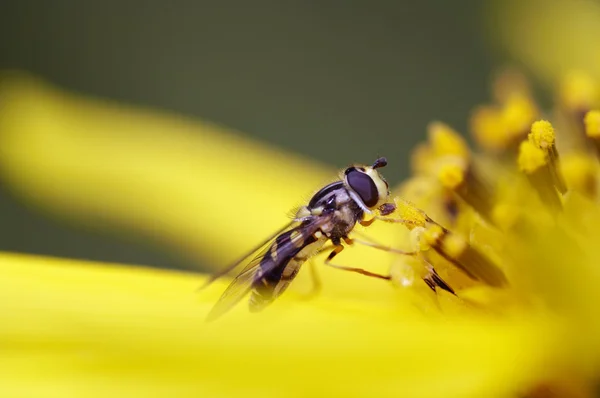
(330, 216)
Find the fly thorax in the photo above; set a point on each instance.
(344, 219)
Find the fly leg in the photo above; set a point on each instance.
(315, 279)
(433, 279)
(316, 284)
(366, 223)
(337, 250)
(384, 248)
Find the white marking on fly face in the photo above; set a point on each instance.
(359, 202)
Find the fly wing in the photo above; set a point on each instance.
(242, 284)
(259, 302)
(236, 291)
(250, 257)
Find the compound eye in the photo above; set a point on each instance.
(364, 186)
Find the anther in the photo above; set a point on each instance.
(465, 181)
(498, 128)
(533, 162)
(591, 123)
(580, 170)
(543, 137)
(453, 247)
(578, 92)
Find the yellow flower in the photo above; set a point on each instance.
(511, 229)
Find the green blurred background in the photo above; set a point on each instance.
(338, 81)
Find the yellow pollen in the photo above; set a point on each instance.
(531, 158)
(454, 248)
(592, 124)
(445, 141)
(411, 214)
(451, 175)
(580, 170)
(517, 114)
(505, 216)
(542, 134)
(432, 234)
(497, 128)
(578, 91)
(488, 128)
(454, 245)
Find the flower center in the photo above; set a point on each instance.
(480, 218)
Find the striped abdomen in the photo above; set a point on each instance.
(281, 264)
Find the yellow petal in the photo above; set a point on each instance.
(192, 184)
(71, 329)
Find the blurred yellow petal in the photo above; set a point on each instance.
(72, 329)
(192, 184)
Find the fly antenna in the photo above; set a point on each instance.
(380, 162)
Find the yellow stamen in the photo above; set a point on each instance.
(505, 216)
(452, 247)
(580, 171)
(518, 114)
(445, 141)
(578, 92)
(498, 129)
(428, 193)
(433, 234)
(592, 124)
(413, 216)
(487, 128)
(455, 249)
(465, 181)
(543, 137)
(446, 157)
(501, 127)
(477, 265)
(417, 241)
(542, 134)
(451, 175)
(531, 158)
(533, 161)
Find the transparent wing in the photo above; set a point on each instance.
(242, 284)
(240, 287)
(251, 256)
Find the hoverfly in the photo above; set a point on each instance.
(330, 215)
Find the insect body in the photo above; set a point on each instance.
(330, 215)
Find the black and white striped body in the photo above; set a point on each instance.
(339, 212)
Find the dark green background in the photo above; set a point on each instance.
(340, 81)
